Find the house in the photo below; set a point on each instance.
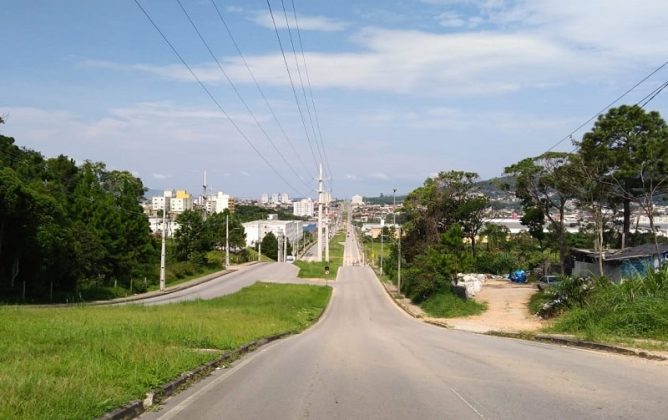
(619, 263)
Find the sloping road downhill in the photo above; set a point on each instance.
(367, 360)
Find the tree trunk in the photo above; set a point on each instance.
(15, 270)
(473, 245)
(626, 229)
(599, 233)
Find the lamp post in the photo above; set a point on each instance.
(398, 232)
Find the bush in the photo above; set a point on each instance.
(635, 308)
(496, 263)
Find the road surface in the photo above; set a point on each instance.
(367, 360)
(232, 282)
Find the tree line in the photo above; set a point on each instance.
(65, 226)
(619, 166)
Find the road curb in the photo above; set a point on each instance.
(576, 342)
(135, 408)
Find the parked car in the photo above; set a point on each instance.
(290, 259)
(547, 281)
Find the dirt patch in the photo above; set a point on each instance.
(507, 309)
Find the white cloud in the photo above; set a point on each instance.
(306, 23)
(160, 176)
(379, 175)
(350, 177)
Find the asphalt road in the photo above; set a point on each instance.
(365, 359)
(233, 282)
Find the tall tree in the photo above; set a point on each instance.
(630, 144)
(544, 184)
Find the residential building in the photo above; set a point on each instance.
(159, 202)
(264, 198)
(274, 198)
(304, 207)
(181, 202)
(619, 264)
(285, 199)
(357, 200)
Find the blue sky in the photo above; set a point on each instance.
(402, 89)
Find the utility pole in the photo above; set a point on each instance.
(162, 248)
(397, 231)
(259, 244)
(204, 196)
(327, 241)
(279, 255)
(285, 248)
(227, 240)
(382, 225)
(320, 198)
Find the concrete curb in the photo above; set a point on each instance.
(147, 295)
(576, 342)
(545, 338)
(135, 408)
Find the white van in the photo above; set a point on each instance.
(290, 259)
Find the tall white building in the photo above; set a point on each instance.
(358, 200)
(264, 198)
(303, 207)
(326, 197)
(285, 199)
(222, 202)
(274, 198)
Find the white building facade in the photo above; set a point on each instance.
(258, 229)
(304, 207)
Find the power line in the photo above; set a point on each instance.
(214, 100)
(653, 94)
(301, 81)
(292, 84)
(570, 135)
(257, 85)
(310, 89)
(239, 96)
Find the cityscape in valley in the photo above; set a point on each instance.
(381, 210)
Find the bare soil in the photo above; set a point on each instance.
(507, 309)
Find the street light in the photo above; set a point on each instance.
(398, 232)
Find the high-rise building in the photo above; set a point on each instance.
(357, 200)
(181, 202)
(264, 198)
(274, 198)
(303, 207)
(284, 198)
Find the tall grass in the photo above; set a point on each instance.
(635, 308)
(78, 363)
(446, 304)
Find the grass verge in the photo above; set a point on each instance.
(633, 312)
(80, 362)
(311, 269)
(445, 304)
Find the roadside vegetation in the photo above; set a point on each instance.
(316, 269)
(619, 169)
(80, 362)
(598, 309)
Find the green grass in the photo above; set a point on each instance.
(80, 362)
(537, 301)
(447, 305)
(635, 310)
(310, 269)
